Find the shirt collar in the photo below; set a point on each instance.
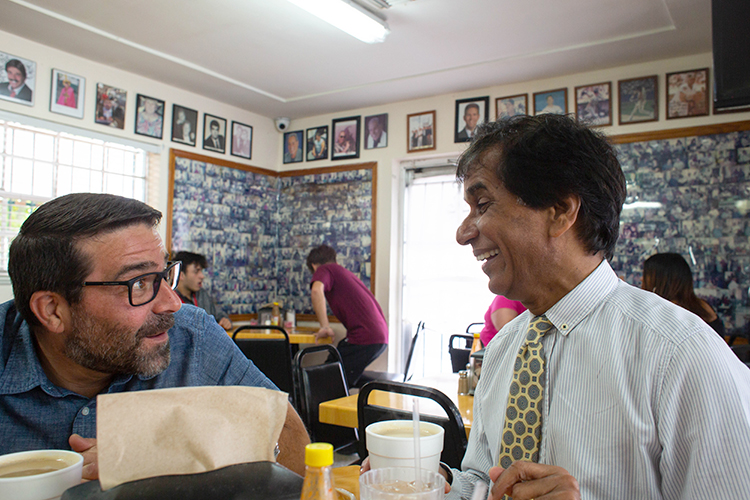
(583, 299)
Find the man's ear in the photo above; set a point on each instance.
(564, 215)
(52, 311)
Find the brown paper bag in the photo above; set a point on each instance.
(185, 430)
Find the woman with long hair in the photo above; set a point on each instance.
(668, 275)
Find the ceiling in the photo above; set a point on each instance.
(273, 58)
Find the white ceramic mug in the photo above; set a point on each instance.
(39, 474)
(390, 443)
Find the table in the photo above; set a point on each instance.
(343, 411)
(298, 335)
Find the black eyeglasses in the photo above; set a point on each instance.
(144, 288)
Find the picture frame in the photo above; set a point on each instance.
(511, 105)
(470, 113)
(420, 132)
(293, 150)
(184, 125)
(111, 105)
(67, 93)
(551, 101)
(376, 131)
(214, 133)
(594, 104)
(17, 77)
(317, 143)
(149, 116)
(242, 140)
(638, 100)
(687, 93)
(345, 137)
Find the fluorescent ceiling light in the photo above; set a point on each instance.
(347, 16)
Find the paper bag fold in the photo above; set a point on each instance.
(185, 430)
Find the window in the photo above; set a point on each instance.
(37, 165)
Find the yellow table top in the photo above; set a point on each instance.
(343, 411)
(301, 335)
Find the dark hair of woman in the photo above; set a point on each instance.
(668, 275)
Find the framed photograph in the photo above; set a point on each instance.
(242, 140)
(110, 106)
(376, 131)
(17, 79)
(638, 100)
(513, 105)
(345, 141)
(68, 91)
(469, 113)
(214, 132)
(687, 94)
(149, 116)
(551, 101)
(184, 124)
(317, 143)
(594, 104)
(293, 147)
(420, 132)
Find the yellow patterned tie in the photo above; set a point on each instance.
(523, 417)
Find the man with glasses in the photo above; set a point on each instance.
(95, 312)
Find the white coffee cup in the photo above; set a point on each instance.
(390, 443)
(39, 474)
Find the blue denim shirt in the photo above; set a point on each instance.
(36, 414)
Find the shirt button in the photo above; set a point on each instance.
(564, 326)
(85, 411)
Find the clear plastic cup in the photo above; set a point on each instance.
(397, 483)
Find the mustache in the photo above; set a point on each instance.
(156, 324)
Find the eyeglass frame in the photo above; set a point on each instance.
(161, 276)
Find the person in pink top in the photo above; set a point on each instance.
(500, 312)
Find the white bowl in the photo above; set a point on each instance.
(398, 451)
(44, 486)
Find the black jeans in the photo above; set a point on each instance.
(356, 358)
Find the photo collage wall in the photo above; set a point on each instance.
(256, 229)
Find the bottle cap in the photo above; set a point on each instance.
(476, 335)
(319, 454)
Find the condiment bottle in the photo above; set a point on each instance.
(463, 382)
(476, 345)
(275, 314)
(318, 484)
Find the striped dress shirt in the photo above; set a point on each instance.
(642, 400)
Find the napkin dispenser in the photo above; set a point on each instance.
(475, 369)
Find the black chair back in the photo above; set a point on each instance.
(455, 441)
(272, 356)
(371, 375)
(742, 351)
(320, 383)
(459, 347)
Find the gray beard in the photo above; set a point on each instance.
(110, 348)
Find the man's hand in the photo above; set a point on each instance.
(325, 331)
(87, 448)
(225, 323)
(526, 480)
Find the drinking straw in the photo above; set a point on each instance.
(480, 491)
(417, 454)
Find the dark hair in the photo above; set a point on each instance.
(322, 254)
(668, 275)
(15, 63)
(471, 105)
(545, 158)
(214, 123)
(189, 258)
(45, 254)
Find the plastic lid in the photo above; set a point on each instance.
(319, 454)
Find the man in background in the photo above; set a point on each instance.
(16, 86)
(471, 119)
(95, 312)
(354, 305)
(190, 287)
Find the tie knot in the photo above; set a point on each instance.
(537, 328)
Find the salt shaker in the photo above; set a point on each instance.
(463, 382)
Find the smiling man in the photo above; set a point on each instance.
(600, 390)
(95, 312)
(16, 85)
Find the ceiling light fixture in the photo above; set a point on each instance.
(347, 16)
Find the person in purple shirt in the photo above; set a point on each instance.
(354, 305)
